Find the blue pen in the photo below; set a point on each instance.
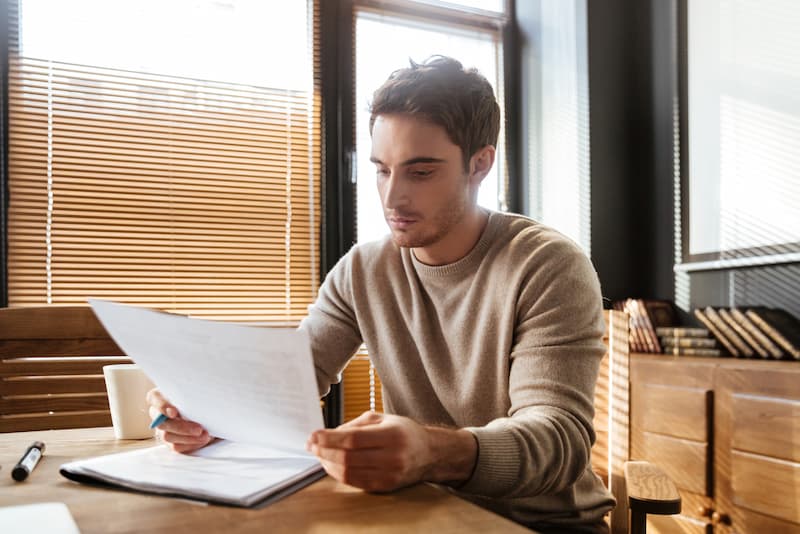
(158, 420)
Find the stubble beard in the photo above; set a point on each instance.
(442, 224)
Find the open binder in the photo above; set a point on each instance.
(224, 472)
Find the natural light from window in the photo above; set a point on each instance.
(385, 44)
(236, 41)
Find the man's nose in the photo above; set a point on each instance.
(394, 192)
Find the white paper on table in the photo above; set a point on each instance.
(243, 383)
(50, 517)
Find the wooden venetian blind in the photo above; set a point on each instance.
(192, 196)
(361, 387)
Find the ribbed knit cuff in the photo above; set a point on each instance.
(497, 468)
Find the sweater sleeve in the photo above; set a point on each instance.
(543, 445)
(332, 327)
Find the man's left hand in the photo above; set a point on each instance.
(380, 452)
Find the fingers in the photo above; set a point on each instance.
(366, 478)
(353, 458)
(362, 432)
(366, 418)
(180, 434)
(161, 404)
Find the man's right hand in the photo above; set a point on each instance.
(180, 434)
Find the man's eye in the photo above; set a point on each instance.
(421, 173)
(382, 172)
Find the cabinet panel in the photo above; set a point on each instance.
(676, 524)
(675, 411)
(766, 485)
(766, 425)
(755, 409)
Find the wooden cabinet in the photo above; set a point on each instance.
(727, 432)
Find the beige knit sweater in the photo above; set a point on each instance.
(505, 342)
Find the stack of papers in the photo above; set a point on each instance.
(224, 472)
(254, 387)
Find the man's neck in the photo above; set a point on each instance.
(458, 243)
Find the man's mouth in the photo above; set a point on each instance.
(401, 223)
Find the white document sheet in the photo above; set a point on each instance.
(49, 517)
(243, 383)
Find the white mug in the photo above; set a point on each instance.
(127, 387)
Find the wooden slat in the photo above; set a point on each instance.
(356, 390)
(766, 485)
(57, 366)
(58, 347)
(44, 421)
(672, 410)
(684, 461)
(768, 426)
(50, 322)
(612, 398)
(37, 385)
(32, 404)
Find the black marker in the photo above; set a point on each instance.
(28, 461)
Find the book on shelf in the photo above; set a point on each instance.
(748, 324)
(781, 326)
(635, 339)
(644, 317)
(692, 351)
(742, 348)
(682, 331)
(662, 313)
(646, 324)
(748, 338)
(716, 332)
(701, 342)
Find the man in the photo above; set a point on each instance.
(484, 327)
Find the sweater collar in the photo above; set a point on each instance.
(468, 262)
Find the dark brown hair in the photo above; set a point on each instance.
(441, 91)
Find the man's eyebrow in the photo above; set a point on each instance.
(412, 161)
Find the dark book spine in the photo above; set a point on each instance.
(647, 326)
(728, 332)
(701, 316)
(762, 338)
(703, 342)
(774, 333)
(744, 334)
(682, 331)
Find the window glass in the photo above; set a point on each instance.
(386, 43)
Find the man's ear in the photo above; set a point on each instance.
(480, 164)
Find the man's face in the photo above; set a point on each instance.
(422, 183)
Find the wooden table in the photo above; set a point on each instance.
(324, 506)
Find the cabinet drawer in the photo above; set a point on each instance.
(686, 462)
(766, 425)
(676, 524)
(675, 411)
(766, 485)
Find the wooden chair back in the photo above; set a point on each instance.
(639, 487)
(51, 368)
(611, 418)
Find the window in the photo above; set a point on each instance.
(741, 193)
(165, 154)
(387, 35)
(385, 41)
